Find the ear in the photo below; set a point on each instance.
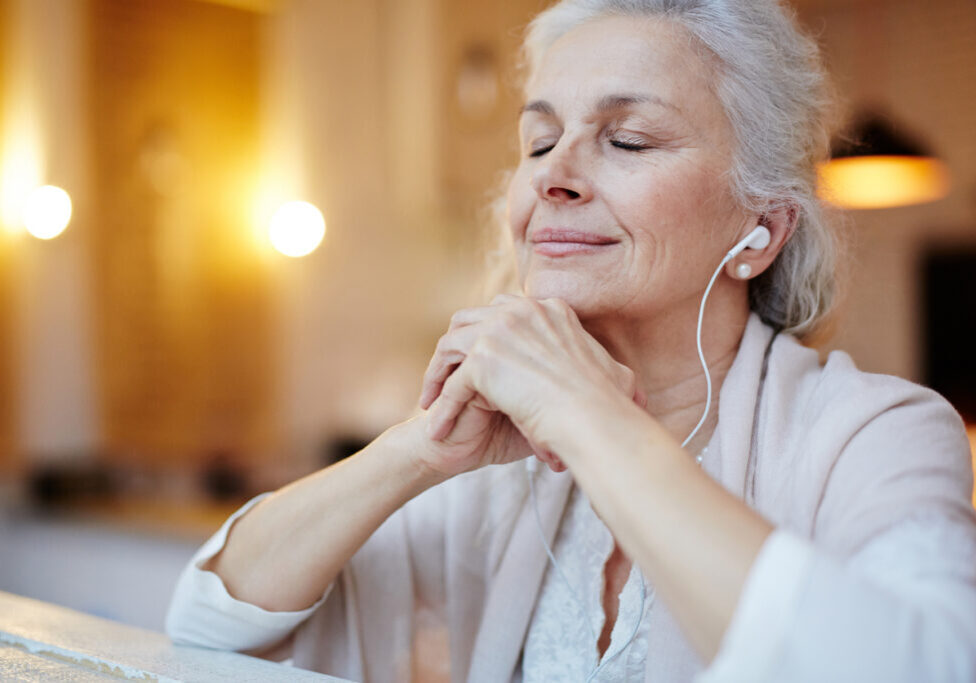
(780, 220)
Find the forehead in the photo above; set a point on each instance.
(655, 58)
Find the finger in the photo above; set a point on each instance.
(549, 458)
(469, 316)
(434, 379)
(556, 465)
(627, 381)
(505, 298)
(559, 312)
(453, 347)
(551, 461)
(451, 350)
(455, 394)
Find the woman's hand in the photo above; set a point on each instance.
(481, 435)
(502, 378)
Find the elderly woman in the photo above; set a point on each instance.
(813, 523)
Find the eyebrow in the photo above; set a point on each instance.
(605, 104)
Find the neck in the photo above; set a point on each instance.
(662, 351)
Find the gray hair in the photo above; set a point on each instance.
(775, 93)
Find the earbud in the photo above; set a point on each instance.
(757, 239)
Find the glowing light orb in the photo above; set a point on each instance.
(879, 182)
(297, 229)
(46, 212)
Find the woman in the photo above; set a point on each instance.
(814, 525)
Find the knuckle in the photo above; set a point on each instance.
(532, 309)
(482, 352)
(478, 349)
(508, 320)
(626, 377)
(442, 350)
(556, 304)
(560, 308)
(631, 381)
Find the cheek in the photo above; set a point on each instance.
(672, 203)
(519, 203)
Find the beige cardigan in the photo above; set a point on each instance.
(833, 455)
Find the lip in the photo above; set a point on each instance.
(566, 242)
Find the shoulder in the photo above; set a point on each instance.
(822, 385)
(872, 449)
(841, 402)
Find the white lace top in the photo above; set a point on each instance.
(561, 645)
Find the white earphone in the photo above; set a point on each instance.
(757, 239)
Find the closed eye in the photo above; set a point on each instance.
(631, 144)
(539, 151)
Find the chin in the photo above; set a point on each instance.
(585, 297)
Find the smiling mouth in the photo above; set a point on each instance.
(559, 242)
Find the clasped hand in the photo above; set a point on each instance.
(510, 379)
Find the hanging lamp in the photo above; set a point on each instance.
(877, 166)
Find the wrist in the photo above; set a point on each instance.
(408, 442)
(598, 427)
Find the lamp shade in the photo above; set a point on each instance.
(877, 166)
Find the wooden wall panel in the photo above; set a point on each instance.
(489, 33)
(183, 302)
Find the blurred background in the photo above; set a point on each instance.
(232, 231)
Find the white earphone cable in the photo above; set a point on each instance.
(701, 354)
(572, 591)
(532, 464)
(552, 558)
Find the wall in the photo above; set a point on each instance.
(49, 301)
(182, 299)
(366, 87)
(359, 114)
(8, 404)
(917, 61)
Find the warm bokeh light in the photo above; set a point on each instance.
(297, 228)
(879, 182)
(20, 167)
(46, 212)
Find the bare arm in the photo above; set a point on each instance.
(695, 540)
(277, 556)
(285, 552)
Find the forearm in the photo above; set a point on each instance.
(284, 553)
(694, 540)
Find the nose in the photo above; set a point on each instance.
(561, 175)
